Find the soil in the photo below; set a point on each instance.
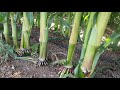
(107, 67)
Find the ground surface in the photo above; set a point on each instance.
(107, 67)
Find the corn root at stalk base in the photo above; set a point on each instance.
(64, 70)
(41, 62)
(24, 52)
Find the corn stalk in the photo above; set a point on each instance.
(87, 34)
(26, 30)
(6, 31)
(72, 45)
(43, 39)
(13, 17)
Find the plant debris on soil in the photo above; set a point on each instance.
(107, 67)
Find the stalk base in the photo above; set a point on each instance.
(41, 62)
(85, 71)
(24, 52)
(65, 71)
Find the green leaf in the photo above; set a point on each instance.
(114, 36)
(28, 33)
(10, 51)
(30, 18)
(86, 17)
(2, 16)
(59, 62)
(93, 75)
(15, 16)
(35, 47)
(65, 23)
(66, 75)
(51, 19)
(76, 71)
(5, 17)
(38, 19)
(95, 62)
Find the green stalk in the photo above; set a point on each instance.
(26, 41)
(95, 40)
(73, 38)
(68, 18)
(102, 21)
(38, 20)
(43, 39)
(87, 35)
(22, 36)
(14, 31)
(26, 31)
(6, 30)
(43, 46)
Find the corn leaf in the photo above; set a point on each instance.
(30, 18)
(64, 23)
(77, 70)
(15, 16)
(51, 19)
(2, 16)
(5, 16)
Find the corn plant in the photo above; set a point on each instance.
(84, 69)
(6, 51)
(43, 39)
(68, 68)
(13, 17)
(45, 23)
(87, 34)
(6, 31)
(26, 32)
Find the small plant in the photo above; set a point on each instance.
(5, 51)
